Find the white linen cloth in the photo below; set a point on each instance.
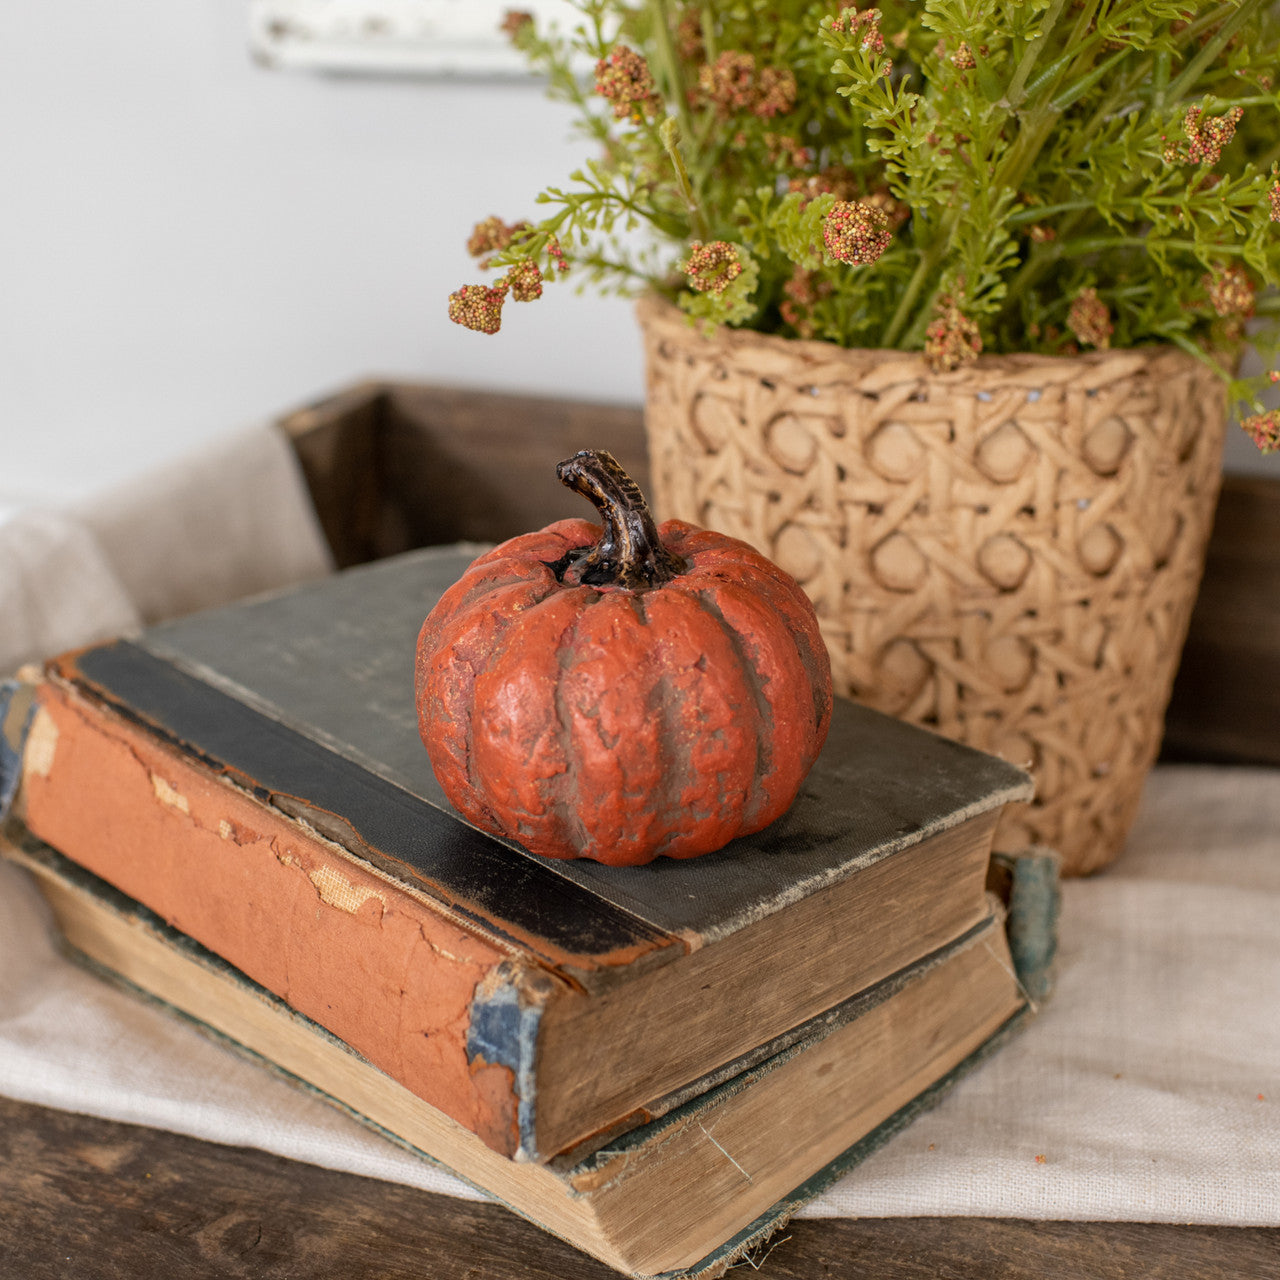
(57, 589)
(228, 521)
(1148, 1089)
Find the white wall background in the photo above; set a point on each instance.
(189, 242)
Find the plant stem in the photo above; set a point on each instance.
(1034, 213)
(1038, 261)
(1098, 244)
(1017, 160)
(709, 48)
(598, 262)
(668, 135)
(670, 69)
(1181, 340)
(1191, 72)
(924, 269)
(1015, 95)
(1163, 64)
(1076, 44)
(1085, 83)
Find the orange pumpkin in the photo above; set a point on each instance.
(622, 693)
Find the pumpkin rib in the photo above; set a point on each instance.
(703, 689)
(541, 545)
(573, 829)
(791, 741)
(469, 593)
(730, 560)
(754, 685)
(520, 752)
(448, 667)
(507, 565)
(661, 826)
(800, 626)
(673, 761)
(446, 700)
(615, 764)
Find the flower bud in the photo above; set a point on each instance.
(856, 232)
(478, 307)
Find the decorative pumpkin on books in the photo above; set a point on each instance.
(624, 692)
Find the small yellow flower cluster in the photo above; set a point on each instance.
(556, 254)
(775, 92)
(868, 22)
(893, 209)
(856, 232)
(478, 307)
(492, 235)
(525, 280)
(865, 27)
(803, 290)
(514, 22)
(733, 83)
(1230, 291)
(783, 149)
(624, 80)
(835, 180)
(711, 267)
(689, 35)
(729, 81)
(952, 339)
(1264, 430)
(1090, 319)
(1205, 138)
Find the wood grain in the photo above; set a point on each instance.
(336, 442)
(97, 1200)
(393, 466)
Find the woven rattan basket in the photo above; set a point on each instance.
(1007, 554)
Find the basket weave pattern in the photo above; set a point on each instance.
(1007, 554)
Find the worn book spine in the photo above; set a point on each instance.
(17, 710)
(290, 909)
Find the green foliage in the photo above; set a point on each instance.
(1022, 151)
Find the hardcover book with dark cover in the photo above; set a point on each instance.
(254, 776)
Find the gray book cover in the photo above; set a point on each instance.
(331, 664)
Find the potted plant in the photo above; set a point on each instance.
(942, 306)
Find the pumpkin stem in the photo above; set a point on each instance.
(629, 552)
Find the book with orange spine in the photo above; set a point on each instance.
(254, 777)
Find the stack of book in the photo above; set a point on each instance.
(234, 815)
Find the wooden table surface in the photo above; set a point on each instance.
(88, 1199)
